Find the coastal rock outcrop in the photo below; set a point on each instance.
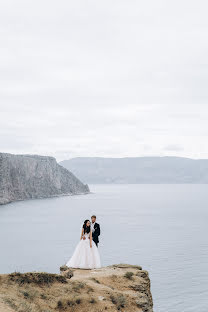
(114, 288)
(32, 176)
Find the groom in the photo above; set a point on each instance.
(95, 230)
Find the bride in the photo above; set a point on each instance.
(86, 254)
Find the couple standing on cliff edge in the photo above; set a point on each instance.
(86, 254)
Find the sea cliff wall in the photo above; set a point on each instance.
(32, 176)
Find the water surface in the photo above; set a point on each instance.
(161, 227)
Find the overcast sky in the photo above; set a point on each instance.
(104, 78)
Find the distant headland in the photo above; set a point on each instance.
(139, 170)
(33, 176)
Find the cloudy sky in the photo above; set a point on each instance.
(107, 78)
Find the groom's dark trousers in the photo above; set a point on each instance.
(96, 233)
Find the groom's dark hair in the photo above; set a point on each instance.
(93, 216)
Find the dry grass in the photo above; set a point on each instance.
(95, 280)
(87, 291)
(39, 278)
(129, 275)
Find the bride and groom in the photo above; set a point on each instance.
(86, 254)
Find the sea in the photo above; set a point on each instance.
(163, 228)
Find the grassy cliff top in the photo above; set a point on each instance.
(114, 288)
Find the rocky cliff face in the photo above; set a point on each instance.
(114, 288)
(31, 176)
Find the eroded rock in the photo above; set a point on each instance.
(31, 176)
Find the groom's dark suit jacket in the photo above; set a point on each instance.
(96, 233)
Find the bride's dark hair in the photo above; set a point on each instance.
(85, 227)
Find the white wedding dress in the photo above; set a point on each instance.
(85, 257)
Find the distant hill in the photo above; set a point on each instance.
(139, 170)
(32, 176)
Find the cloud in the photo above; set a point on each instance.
(174, 148)
(111, 78)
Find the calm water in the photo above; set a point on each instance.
(161, 227)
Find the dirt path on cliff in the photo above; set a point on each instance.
(4, 308)
(102, 277)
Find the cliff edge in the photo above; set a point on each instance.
(32, 176)
(114, 288)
